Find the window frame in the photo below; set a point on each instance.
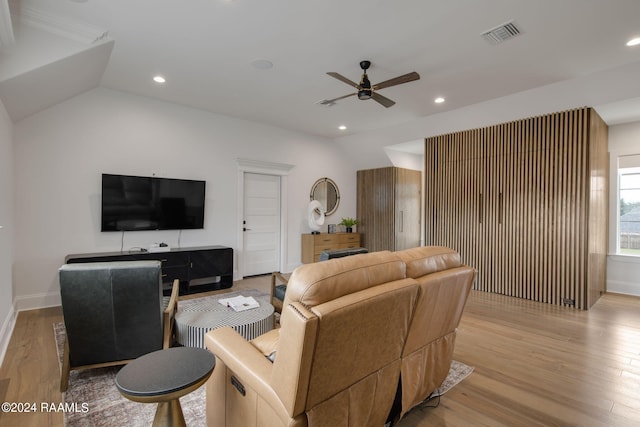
(625, 165)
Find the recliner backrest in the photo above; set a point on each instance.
(340, 361)
(343, 331)
(425, 260)
(314, 284)
(444, 285)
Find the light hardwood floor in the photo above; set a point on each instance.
(535, 365)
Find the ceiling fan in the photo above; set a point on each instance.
(368, 91)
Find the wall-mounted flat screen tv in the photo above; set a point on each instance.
(132, 203)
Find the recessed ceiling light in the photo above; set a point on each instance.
(262, 64)
(159, 79)
(634, 42)
(439, 100)
(342, 127)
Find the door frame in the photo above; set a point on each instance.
(264, 168)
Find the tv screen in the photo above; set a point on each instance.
(131, 203)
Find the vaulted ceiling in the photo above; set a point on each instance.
(215, 54)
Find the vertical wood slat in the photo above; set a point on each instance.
(555, 259)
(582, 214)
(516, 200)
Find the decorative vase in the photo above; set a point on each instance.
(349, 229)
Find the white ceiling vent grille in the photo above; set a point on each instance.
(501, 33)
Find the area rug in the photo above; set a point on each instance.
(106, 407)
(458, 372)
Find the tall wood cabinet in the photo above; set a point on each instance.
(389, 208)
(525, 203)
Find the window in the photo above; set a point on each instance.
(629, 205)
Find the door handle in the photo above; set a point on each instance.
(246, 229)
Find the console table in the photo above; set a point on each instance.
(199, 269)
(314, 244)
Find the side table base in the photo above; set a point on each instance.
(169, 414)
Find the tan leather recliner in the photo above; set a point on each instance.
(337, 353)
(428, 352)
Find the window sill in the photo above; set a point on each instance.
(633, 259)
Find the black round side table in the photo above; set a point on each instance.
(163, 377)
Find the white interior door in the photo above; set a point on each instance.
(261, 223)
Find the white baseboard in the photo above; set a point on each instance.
(620, 287)
(35, 301)
(6, 331)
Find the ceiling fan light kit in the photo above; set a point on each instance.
(364, 94)
(367, 91)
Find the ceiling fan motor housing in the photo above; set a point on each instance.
(364, 91)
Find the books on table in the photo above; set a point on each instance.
(239, 303)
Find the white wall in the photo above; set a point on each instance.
(623, 272)
(61, 153)
(7, 313)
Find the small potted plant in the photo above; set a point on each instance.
(349, 223)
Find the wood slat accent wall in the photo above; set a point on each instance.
(525, 203)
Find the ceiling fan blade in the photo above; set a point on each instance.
(397, 80)
(341, 97)
(382, 99)
(344, 79)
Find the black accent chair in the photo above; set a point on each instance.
(278, 290)
(113, 313)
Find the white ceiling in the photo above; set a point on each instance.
(205, 49)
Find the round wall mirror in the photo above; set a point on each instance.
(326, 192)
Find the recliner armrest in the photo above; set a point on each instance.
(246, 362)
(267, 343)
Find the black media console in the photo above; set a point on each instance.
(199, 269)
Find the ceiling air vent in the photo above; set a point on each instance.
(501, 33)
